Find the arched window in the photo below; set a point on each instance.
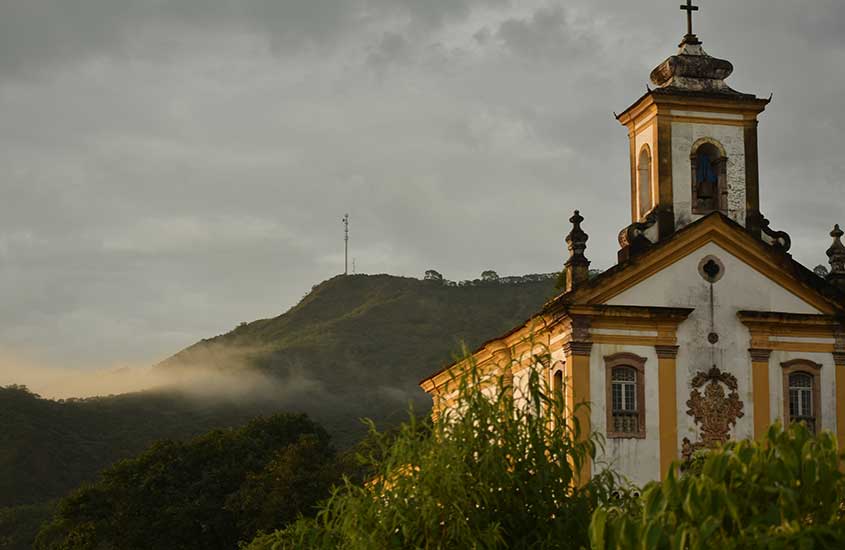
(557, 392)
(709, 177)
(625, 396)
(557, 386)
(801, 393)
(644, 182)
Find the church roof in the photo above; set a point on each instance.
(771, 261)
(776, 264)
(693, 74)
(693, 70)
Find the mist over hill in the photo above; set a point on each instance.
(357, 346)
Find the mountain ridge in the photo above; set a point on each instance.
(355, 346)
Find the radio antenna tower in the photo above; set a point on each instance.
(346, 244)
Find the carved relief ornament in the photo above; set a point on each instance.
(714, 411)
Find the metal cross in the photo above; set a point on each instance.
(689, 8)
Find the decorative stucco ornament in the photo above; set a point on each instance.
(692, 70)
(715, 411)
(577, 268)
(836, 252)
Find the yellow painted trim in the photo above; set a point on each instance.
(801, 347)
(668, 414)
(509, 351)
(655, 163)
(577, 372)
(664, 105)
(710, 121)
(840, 406)
(760, 395)
(629, 340)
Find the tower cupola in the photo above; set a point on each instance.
(693, 148)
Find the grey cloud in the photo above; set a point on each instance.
(41, 35)
(179, 167)
(546, 34)
(392, 48)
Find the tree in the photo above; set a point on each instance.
(784, 492)
(432, 275)
(473, 478)
(291, 484)
(200, 494)
(489, 276)
(19, 525)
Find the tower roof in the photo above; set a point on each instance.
(693, 70)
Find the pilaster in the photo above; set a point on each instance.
(668, 406)
(760, 392)
(665, 193)
(839, 362)
(577, 354)
(752, 179)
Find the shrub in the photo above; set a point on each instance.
(784, 492)
(497, 473)
(206, 493)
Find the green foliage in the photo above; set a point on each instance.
(49, 447)
(202, 494)
(787, 492)
(358, 345)
(495, 474)
(336, 355)
(20, 524)
(291, 484)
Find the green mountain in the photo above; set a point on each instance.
(49, 447)
(355, 346)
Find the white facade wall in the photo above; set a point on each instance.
(684, 135)
(636, 459)
(680, 285)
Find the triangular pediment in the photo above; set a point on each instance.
(759, 261)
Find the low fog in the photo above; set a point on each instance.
(234, 380)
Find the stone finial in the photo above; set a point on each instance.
(693, 70)
(836, 255)
(578, 266)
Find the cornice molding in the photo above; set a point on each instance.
(666, 352)
(578, 348)
(759, 355)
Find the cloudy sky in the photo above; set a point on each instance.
(171, 168)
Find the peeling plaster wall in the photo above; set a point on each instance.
(741, 288)
(684, 135)
(636, 459)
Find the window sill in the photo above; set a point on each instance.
(625, 436)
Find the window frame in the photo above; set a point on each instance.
(813, 369)
(644, 181)
(637, 363)
(722, 183)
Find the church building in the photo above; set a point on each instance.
(706, 329)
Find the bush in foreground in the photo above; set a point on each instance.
(499, 473)
(207, 493)
(782, 493)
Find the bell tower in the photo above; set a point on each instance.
(693, 148)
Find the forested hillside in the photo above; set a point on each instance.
(49, 447)
(353, 347)
(357, 346)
